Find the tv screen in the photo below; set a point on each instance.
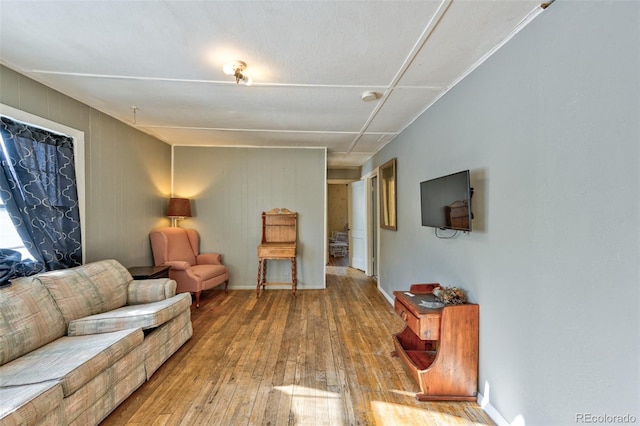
(446, 202)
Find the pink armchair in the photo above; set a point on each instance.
(194, 272)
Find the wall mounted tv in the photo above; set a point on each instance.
(446, 202)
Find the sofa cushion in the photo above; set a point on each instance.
(113, 397)
(29, 404)
(88, 289)
(113, 385)
(73, 360)
(162, 342)
(152, 290)
(145, 316)
(29, 318)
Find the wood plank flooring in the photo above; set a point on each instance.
(322, 358)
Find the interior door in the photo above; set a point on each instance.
(374, 225)
(357, 219)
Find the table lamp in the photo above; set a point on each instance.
(178, 209)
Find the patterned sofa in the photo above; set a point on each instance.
(77, 342)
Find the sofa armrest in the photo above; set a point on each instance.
(209, 259)
(153, 290)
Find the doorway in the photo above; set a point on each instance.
(338, 219)
(358, 226)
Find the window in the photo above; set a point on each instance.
(49, 135)
(9, 238)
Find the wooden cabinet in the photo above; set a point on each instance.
(279, 236)
(439, 344)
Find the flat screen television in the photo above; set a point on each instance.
(446, 202)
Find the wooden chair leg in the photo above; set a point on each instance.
(198, 298)
(294, 278)
(259, 277)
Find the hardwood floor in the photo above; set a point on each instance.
(322, 358)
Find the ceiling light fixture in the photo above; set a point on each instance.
(371, 96)
(236, 69)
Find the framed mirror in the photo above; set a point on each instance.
(388, 185)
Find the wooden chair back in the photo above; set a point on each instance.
(279, 226)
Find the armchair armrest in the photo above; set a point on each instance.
(179, 265)
(209, 259)
(153, 290)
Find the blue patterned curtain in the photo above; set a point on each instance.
(38, 186)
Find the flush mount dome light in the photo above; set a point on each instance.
(371, 96)
(236, 69)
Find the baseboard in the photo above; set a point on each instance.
(272, 287)
(384, 293)
(491, 411)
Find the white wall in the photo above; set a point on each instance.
(231, 187)
(549, 127)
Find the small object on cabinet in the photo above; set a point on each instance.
(450, 295)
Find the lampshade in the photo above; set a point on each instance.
(179, 207)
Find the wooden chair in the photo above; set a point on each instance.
(279, 236)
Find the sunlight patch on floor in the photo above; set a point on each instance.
(386, 413)
(314, 406)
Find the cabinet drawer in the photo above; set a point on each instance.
(426, 326)
(412, 322)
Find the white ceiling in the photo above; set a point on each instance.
(310, 62)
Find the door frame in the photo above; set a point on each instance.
(369, 222)
(371, 226)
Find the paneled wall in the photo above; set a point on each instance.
(127, 172)
(549, 128)
(231, 187)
